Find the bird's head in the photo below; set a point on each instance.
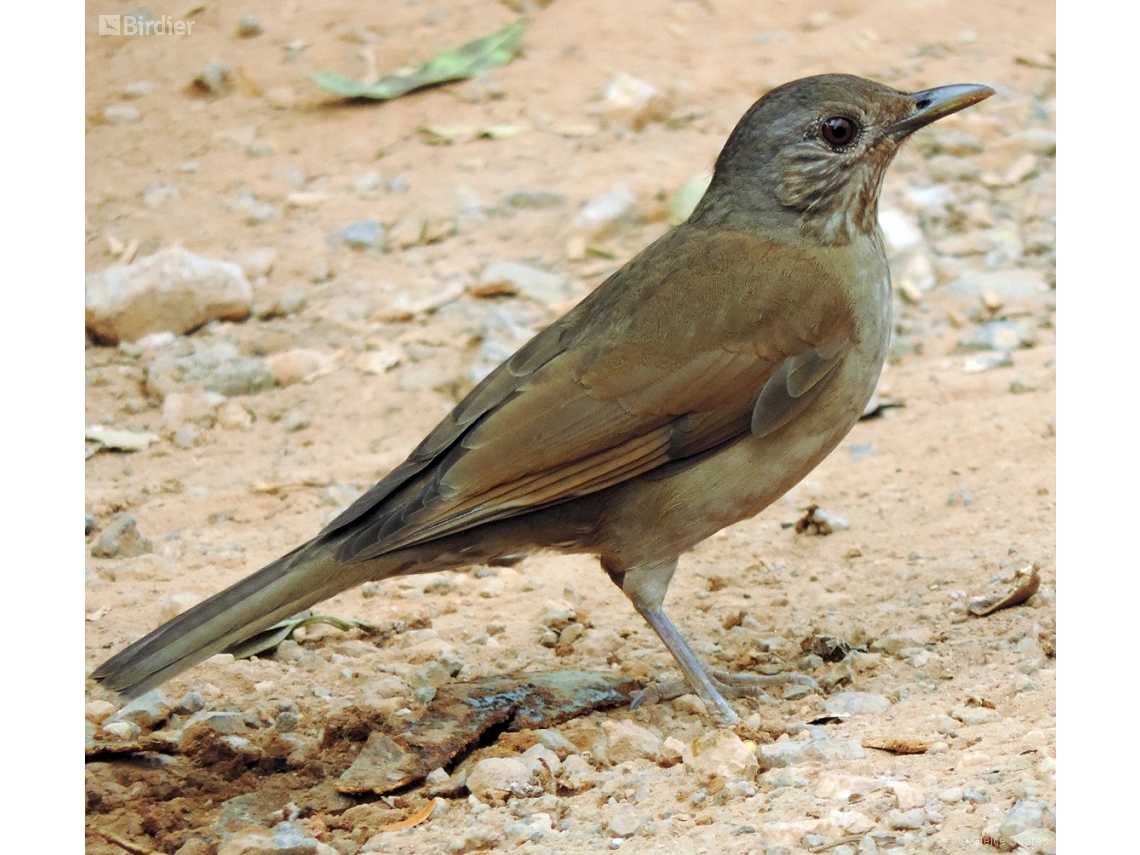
(806, 162)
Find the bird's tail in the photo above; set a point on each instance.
(293, 582)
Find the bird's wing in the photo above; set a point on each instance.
(660, 363)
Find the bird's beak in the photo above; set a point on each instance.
(930, 105)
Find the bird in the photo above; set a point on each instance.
(691, 389)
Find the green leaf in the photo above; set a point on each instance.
(268, 639)
(469, 60)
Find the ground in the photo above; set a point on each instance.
(946, 497)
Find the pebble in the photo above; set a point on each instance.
(498, 778)
(997, 335)
(98, 711)
(536, 200)
(720, 754)
(146, 711)
(142, 88)
(633, 102)
(121, 539)
(286, 838)
(249, 26)
(216, 366)
(180, 408)
(625, 821)
(296, 420)
(361, 235)
(256, 262)
(122, 114)
(190, 703)
(398, 184)
(577, 774)
(118, 439)
(687, 197)
(529, 282)
(856, 703)
(157, 193)
(123, 730)
(973, 715)
(173, 290)
(532, 829)
(221, 723)
(234, 416)
(605, 214)
(629, 741)
(480, 838)
(298, 366)
(262, 212)
(908, 796)
(1026, 815)
(907, 820)
(1004, 284)
(986, 361)
(366, 183)
(788, 752)
(214, 80)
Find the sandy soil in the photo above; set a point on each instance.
(955, 494)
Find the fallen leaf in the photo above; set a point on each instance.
(1025, 585)
(469, 60)
(414, 819)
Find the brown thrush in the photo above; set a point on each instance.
(694, 387)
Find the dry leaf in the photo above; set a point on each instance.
(1025, 585)
(415, 819)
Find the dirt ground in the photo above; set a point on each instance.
(947, 496)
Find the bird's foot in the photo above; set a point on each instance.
(732, 684)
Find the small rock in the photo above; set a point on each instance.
(190, 703)
(179, 408)
(298, 366)
(527, 281)
(256, 262)
(720, 754)
(121, 539)
(533, 828)
(361, 235)
(633, 102)
(625, 822)
(629, 741)
(248, 27)
(908, 797)
(605, 214)
(1004, 284)
(146, 710)
(221, 723)
(856, 703)
(142, 88)
(577, 775)
(907, 820)
(98, 711)
(1025, 815)
(122, 730)
(406, 232)
(398, 184)
(987, 361)
(287, 838)
(555, 741)
(997, 335)
(233, 416)
(174, 290)
(296, 420)
(671, 753)
(498, 778)
(118, 439)
(122, 114)
(262, 212)
(214, 80)
(974, 715)
(366, 183)
(792, 752)
(478, 839)
(157, 193)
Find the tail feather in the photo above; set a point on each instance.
(288, 585)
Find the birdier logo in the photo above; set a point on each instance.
(143, 25)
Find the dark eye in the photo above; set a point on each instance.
(838, 131)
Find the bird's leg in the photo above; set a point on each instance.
(646, 587)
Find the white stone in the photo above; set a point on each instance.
(720, 754)
(172, 290)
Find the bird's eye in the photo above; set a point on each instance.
(838, 131)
